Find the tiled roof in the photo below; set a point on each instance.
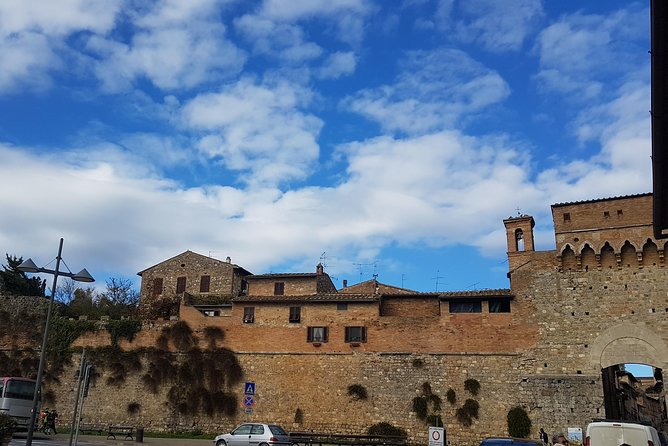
(596, 200)
(371, 285)
(322, 297)
(280, 275)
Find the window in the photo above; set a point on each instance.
(355, 334)
(279, 288)
(606, 214)
(567, 216)
(244, 287)
(204, 284)
(249, 315)
(316, 334)
(499, 306)
(341, 307)
(157, 286)
(180, 285)
(295, 314)
(619, 213)
(257, 429)
(466, 307)
(212, 312)
(244, 429)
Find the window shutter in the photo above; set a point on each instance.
(205, 284)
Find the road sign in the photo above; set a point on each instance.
(436, 436)
(248, 411)
(249, 401)
(249, 388)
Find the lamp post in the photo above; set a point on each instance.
(29, 266)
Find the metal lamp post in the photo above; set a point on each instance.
(29, 266)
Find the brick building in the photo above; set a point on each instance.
(598, 300)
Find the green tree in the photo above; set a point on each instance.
(519, 424)
(17, 283)
(119, 298)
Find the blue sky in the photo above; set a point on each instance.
(392, 136)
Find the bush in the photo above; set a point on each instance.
(471, 407)
(386, 429)
(463, 417)
(299, 416)
(519, 424)
(420, 407)
(451, 396)
(357, 391)
(473, 386)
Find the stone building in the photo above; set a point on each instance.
(546, 344)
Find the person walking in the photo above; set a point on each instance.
(543, 437)
(51, 420)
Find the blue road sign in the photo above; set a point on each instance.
(249, 388)
(249, 401)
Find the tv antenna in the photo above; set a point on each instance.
(360, 267)
(437, 278)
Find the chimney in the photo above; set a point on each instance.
(228, 259)
(345, 283)
(319, 270)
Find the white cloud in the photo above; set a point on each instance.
(337, 65)
(31, 33)
(498, 26)
(173, 45)
(580, 51)
(258, 129)
(433, 91)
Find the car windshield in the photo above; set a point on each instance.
(277, 430)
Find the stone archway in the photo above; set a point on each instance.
(629, 343)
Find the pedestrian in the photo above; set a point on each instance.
(51, 420)
(543, 437)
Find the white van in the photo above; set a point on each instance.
(616, 433)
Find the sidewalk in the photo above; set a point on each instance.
(102, 440)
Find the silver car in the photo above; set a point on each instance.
(254, 434)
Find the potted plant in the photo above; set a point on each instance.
(7, 426)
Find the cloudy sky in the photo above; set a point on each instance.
(386, 137)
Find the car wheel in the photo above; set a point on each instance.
(221, 443)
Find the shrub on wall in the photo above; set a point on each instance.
(463, 417)
(451, 396)
(357, 391)
(133, 407)
(420, 407)
(473, 386)
(386, 429)
(299, 416)
(519, 424)
(123, 329)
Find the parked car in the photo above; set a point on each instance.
(615, 433)
(254, 434)
(508, 441)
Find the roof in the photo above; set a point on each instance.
(281, 275)
(596, 200)
(197, 254)
(322, 297)
(375, 287)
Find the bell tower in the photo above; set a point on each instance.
(519, 235)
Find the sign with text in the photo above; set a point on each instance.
(436, 436)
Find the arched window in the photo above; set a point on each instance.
(629, 257)
(568, 261)
(608, 257)
(650, 254)
(519, 240)
(588, 258)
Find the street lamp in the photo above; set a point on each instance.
(82, 276)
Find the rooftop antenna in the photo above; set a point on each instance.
(323, 259)
(361, 266)
(211, 253)
(402, 279)
(473, 285)
(519, 211)
(438, 276)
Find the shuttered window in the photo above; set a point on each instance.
(316, 334)
(157, 286)
(355, 334)
(180, 285)
(204, 284)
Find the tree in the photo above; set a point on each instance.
(17, 283)
(65, 291)
(519, 424)
(119, 299)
